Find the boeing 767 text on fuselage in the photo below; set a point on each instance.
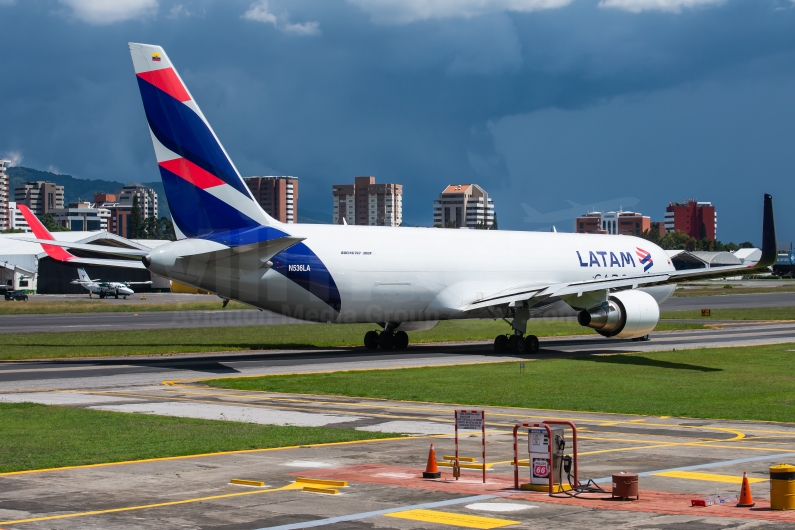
(400, 278)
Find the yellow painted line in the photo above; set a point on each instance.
(213, 391)
(738, 435)
(293, 486)
(221, 453)
(321, 490)
(244, 482)
(324, 482)
(708, 477)
(460, 458)
(452, 519)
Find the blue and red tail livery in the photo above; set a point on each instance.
(645, 258)
(204, 190)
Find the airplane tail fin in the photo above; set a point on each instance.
(204, 190)
(81, 273)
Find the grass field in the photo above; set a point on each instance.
(45, 436)
(245, 338)
(734, 383)
(755, 313)
(98, 306)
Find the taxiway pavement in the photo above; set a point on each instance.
(678, 459)
(104, 373)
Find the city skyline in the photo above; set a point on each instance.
(583, 101)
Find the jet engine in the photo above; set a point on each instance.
(625, 314)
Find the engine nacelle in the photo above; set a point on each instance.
(626, 314)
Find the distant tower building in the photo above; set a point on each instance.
(147, 199)
(5, 214)
(616, 223)
(463, 205)
(278, 196)
(39, 196)
(696, 219)
(366, 203)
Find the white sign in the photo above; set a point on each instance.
(470, 419)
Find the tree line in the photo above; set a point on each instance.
(150, 227)
(678, 240)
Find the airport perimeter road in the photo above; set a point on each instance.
(142, 371)
(143, 320)
(730, 301)
(237, 317)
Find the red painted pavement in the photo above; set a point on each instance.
(502, 485)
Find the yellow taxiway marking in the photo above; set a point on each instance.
(293, 486)
(452, 519)
(258, 394)
(203, 455)
(708, 477)
(738, 434)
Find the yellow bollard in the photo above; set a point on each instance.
(782, 487)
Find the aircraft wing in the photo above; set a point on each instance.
(138, 283)
(55, 249)
(537, 292)
(104, 249)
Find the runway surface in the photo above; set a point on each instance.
(233, 317)
(147, 370)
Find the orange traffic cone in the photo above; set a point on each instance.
(431, 471)
(746, 499)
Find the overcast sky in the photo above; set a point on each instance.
(541, 102)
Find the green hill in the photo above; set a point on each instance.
(76, 189)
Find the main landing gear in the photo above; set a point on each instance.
(518, 342)
(386, 340)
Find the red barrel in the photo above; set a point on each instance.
(625, 485)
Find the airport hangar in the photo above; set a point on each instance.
(25, 266)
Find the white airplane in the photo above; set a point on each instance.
(399, 278)
(104, 289)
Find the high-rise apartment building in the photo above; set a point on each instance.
(366, 203)
(5, 214)
(463, 206)
(616, 223)
(15, 218)
(147, 199)
(696, 219)
(39, 196)
(278, 196)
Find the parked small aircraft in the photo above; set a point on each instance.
(105, 289)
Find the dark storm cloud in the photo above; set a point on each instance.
(420, 102)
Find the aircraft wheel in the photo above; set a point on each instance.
(385, 340)
(517, 344)
(501, 344)
(371, 340)
(401, 340)
(531, 344)
(645, 338)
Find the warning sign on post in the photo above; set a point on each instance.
(470, 419)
